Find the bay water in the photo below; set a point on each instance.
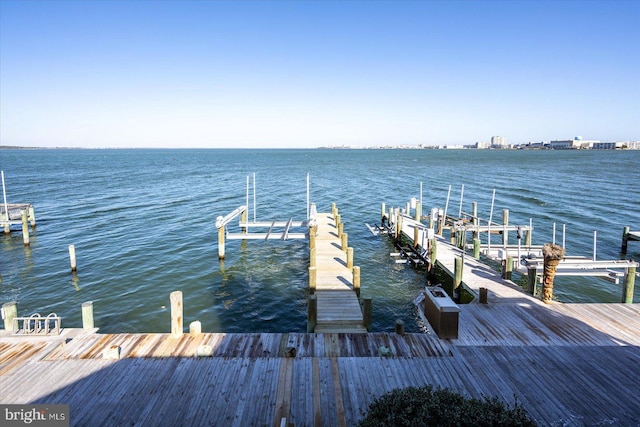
(143, 225)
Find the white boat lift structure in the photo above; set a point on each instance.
(270, 230)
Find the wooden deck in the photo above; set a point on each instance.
(337, 302)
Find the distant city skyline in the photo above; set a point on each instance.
(223, 74)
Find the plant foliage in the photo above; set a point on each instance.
(428, 406)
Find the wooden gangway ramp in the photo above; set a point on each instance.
(338, 307)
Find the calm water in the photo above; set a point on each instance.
(143, 224)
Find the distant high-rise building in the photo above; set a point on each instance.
(498, 141)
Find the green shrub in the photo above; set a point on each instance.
(426, 406)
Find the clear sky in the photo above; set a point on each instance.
(314, 73)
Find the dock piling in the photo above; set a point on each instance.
(25, 228)
(176, 314)
(72, 257)
(87, 315)
(313, 274)
(625, 239)
(367, 313)
(312, 313)
(629, 283)
(356, 280)
(457, 281)
(9, 312)
(399, 327)
(195, 328)
(552, 256)
(350, 258)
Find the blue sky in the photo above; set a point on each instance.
(307, 74)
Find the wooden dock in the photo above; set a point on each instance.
(338, 307)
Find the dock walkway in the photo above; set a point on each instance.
(338, 307)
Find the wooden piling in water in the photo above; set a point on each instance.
(399, 327)
(87, 315)
(312, 313)
(474, 213)
(313, 275)
(531, 281)
(625, 239)
(505, 223)
(629, 283)
(25, 228)
(32, 216)
(10, 312)
(350, 258)
(507, 268)
(476, 248)
(356, 280)
(176, 314)
(313, 232)
(221, 242)
(432, 254)
(458, 265)
(345, 241)
(340, 230)
(383, 213)
(367, 313)
(72, 257)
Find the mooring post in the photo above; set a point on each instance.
(221, 242)
(629, 283)
(345, 241)
(87, 315)
(25, 228)
(553, 254)
(9, 312)
(313, 232)
(312, 257)
(32, 216)
(432, 254)
(474, 213)
(453, 236)
(416, 233)
(505, 224)
(440, 222)
(509, 270)
(383, 213)
(313, 274)
(340, 230)
(195, 328)
(350, 258)
(399, 327)
(476, 248)
(72, 257)
(243, 219)
(458, 264)
(484, 293)
(418, 211)
(176, 314)
(399, 226)
(531, 280)
(312, 313)
(367, 313)
(356, 280)
(625, 239)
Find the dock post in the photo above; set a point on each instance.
(345, 241)
(418, 211)
(474, 212)
(399, 226)
(367, 316)
(312, 313)
(87, 315)
(356, 280)
(531, 280)
(176, 314)
(399, 327)
(313, 276)
(195, 327)
(243, 219)
(9, 312)
(25, 228)
(384, 213)
(505, 224)
(340, 230)
(476, 247)
(221, 242)
(72, 257)
(484, 293)
(625, 239)
(453, 236)
(507, 268)
(32, 217)
(313, 232)
(416, 232)
(350, 258)
(312, 257)
(552, 256)
(440, 222)
(459, 262)
(432, 254)
(629, 283)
